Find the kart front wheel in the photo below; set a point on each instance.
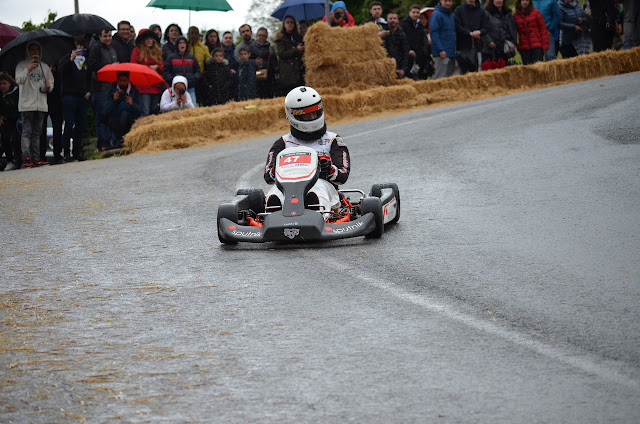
(256, 198)
(374, 205)
(376, 190)
(229, 211)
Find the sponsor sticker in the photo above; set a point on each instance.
(291, 232)
(346, 229)
(245, 233)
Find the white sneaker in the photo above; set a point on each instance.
(10, 166)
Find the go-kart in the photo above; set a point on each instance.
(303, 207)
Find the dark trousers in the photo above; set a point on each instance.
(75, 116)
(532, 56)
(10, 139)
(55, 112)
(265, 89)
(120, 124)
(568, 51)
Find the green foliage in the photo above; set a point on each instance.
(29, 26)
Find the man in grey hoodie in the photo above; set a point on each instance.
(35, 80)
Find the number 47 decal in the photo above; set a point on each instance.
(292, 159)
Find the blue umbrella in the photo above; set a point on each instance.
(300, 10)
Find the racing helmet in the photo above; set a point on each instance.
(304, 109)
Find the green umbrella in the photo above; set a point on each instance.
(197, 5)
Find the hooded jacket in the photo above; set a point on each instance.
(185, 65)
(169, 99)
(32, 92)
(346, 21)
(569, 14)
(532, 31)
(443, 32)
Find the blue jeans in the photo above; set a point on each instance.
(551, 54)
(74, 108)
(148, 103)
(98, 100)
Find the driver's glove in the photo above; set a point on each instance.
(327, 169)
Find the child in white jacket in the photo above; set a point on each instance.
(177, 97)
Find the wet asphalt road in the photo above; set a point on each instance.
(508, 292)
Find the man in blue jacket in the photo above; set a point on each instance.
(122, 108)
(443, 39)
(551, 15)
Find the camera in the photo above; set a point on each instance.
(337, 15)
(180, 91)
(36, 58)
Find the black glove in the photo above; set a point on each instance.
(325, 165)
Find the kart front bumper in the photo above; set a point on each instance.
(308, 227)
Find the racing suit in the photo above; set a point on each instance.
(329, 144)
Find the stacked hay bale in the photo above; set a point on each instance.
(344, 56)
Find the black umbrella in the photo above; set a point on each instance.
(81, 23)
(54, 43)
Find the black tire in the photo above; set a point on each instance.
(256, 198)
(376, 190)
(229, 211)
(374, 205)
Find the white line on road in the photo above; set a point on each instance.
(581, 361)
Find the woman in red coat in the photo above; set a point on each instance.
(532, 32)
(148, 53)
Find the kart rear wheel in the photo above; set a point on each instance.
(229, 211)
(376, 190)
(374, 205)
(256, 198)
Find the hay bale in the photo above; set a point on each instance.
(336, 46)
(337, 56)
(358, 99)
(371, 73)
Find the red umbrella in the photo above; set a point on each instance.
(138, 74)
(7, 33)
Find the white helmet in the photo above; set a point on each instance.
(304, 109)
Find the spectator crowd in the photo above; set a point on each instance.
(205, 70)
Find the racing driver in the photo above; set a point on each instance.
(303, 106)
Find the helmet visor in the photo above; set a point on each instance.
(310, 113)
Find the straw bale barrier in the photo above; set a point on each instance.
(337, 56)
(342, 103)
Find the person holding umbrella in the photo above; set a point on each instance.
(148, 53)
(34, 80)
(122, 107)
(75, 80)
